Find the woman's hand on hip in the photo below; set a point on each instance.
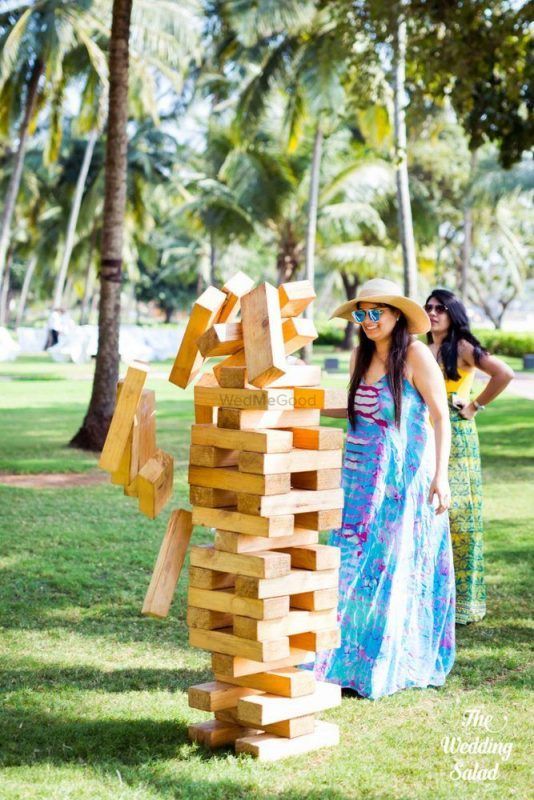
(439, 489)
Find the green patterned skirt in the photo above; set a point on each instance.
(465, 516)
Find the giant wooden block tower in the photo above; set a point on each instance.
(266, 476)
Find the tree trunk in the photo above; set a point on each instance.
(213, 258)
(311, 231)
(468, 237)
(289, 254)
(404, 208)
(23, 299)
(14, 181)
(92, 434)
(4, 291)
(351, 283)
(73, 218)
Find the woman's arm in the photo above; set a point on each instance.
(428, 381)
(500, 376)
(342, 413)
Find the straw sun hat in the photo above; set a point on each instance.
(379, 290)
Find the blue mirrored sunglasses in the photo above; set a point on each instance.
(374, 315)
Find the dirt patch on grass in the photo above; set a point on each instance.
(54, 480)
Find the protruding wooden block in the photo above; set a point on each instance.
(327, 399)
(320, 520)
(298, 333)
(216, 695)
(189, 360)
(230, 479)
(261, 564)
(318, 640)
(239, 667)
(205, 415)
(319, 600)
(123, 417)
(214, 733)
(294, 297)
(266, 747)
(224, 641)
(206, 456)
(221, 339)
(248, 399)
(230, 520)
(295, 622)
(234, 289)
(289, 728)
(298, 581)
(297, 501)
(200, 578)
(318, 438)
(261, 441)
(169, 564)
(262, 335)
(287, 682)
(232, 542)
(266, 709)
(211, 498)
(207, 619)
(314, 556)
(154, 483)
(295, 461)
(225, 600)
(233, 377)
(237, 418)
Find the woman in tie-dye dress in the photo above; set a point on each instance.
(396, 593)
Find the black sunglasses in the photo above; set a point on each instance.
(439, 308)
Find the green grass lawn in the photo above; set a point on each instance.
(94, 697)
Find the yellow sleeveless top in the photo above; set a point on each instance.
(463, 385)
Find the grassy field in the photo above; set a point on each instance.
(93, 700)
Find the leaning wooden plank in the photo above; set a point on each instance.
(129, 465)
(314, 556)
(169, 564)
(295, 461)
(232, 542)
(296, 621)
(294, 297)
(230, 479)
(261, 441)
(295, 502)
(237, 418)
(298, 580)
(201, 578)
(221, 340)
(145, 420)
(211, 498)
(266, 747)
(207, 619)
(317, 479)
(123, 417)
(318, 438)
(225, 642)
(262, 335)
(287, 682)
(320, 520)
(319, 600)
(262, 564)
(266, 709)
(154, 483)
(226, 601)
(249, 399)
(208, 456)
(234, 289)
(327, 399)
(216, 695)
(203, 314)
(238, 667)
(230, 520)
(214, 733)
(289, 728)
(327, 639)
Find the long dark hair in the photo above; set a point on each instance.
(458, 330)
(396, 363)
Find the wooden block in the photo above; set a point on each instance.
(237, 418)
(320, 520)
(266, 747)
(318, 438)
(318, 640)
(154, 483)
(297, 333)
(265, 709)
(295, 622)
(326, 399)
(169, 564)
(221, 339)
(247, 399)
(317, 479)
(262, 564)
(208, 620)
(314, 556)
(216, 695)
(294, 297)
(205, 456)
(207, 379)
(229, 520)
(296, 582)
(189, 360)
(232, 542)
(239, 667)
(224, 641)
(200, 578)
(129, 465)
(145, 428)
(234, 289)
(211, 498)
(288, 682)
(319, 600)
(214, 733)
(205, 415)
(225, 600)
(290, 728)
(262, 335)
(295, 461)
(297, 501)
(261, 441)
(230, 479)
(123, 417)
(235, 377)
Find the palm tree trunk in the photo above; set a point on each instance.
(213, 257)
(92, 434)
(14, 181)
(311, 231)
(23, 299)
(468, 236)
(4, 291)
(404, 209)
(350, 283)
(73, 218)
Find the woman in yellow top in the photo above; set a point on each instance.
(459, 353)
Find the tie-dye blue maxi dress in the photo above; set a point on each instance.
(397, 590)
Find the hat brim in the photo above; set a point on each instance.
(416, 316)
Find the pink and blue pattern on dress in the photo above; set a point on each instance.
(397, 589)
